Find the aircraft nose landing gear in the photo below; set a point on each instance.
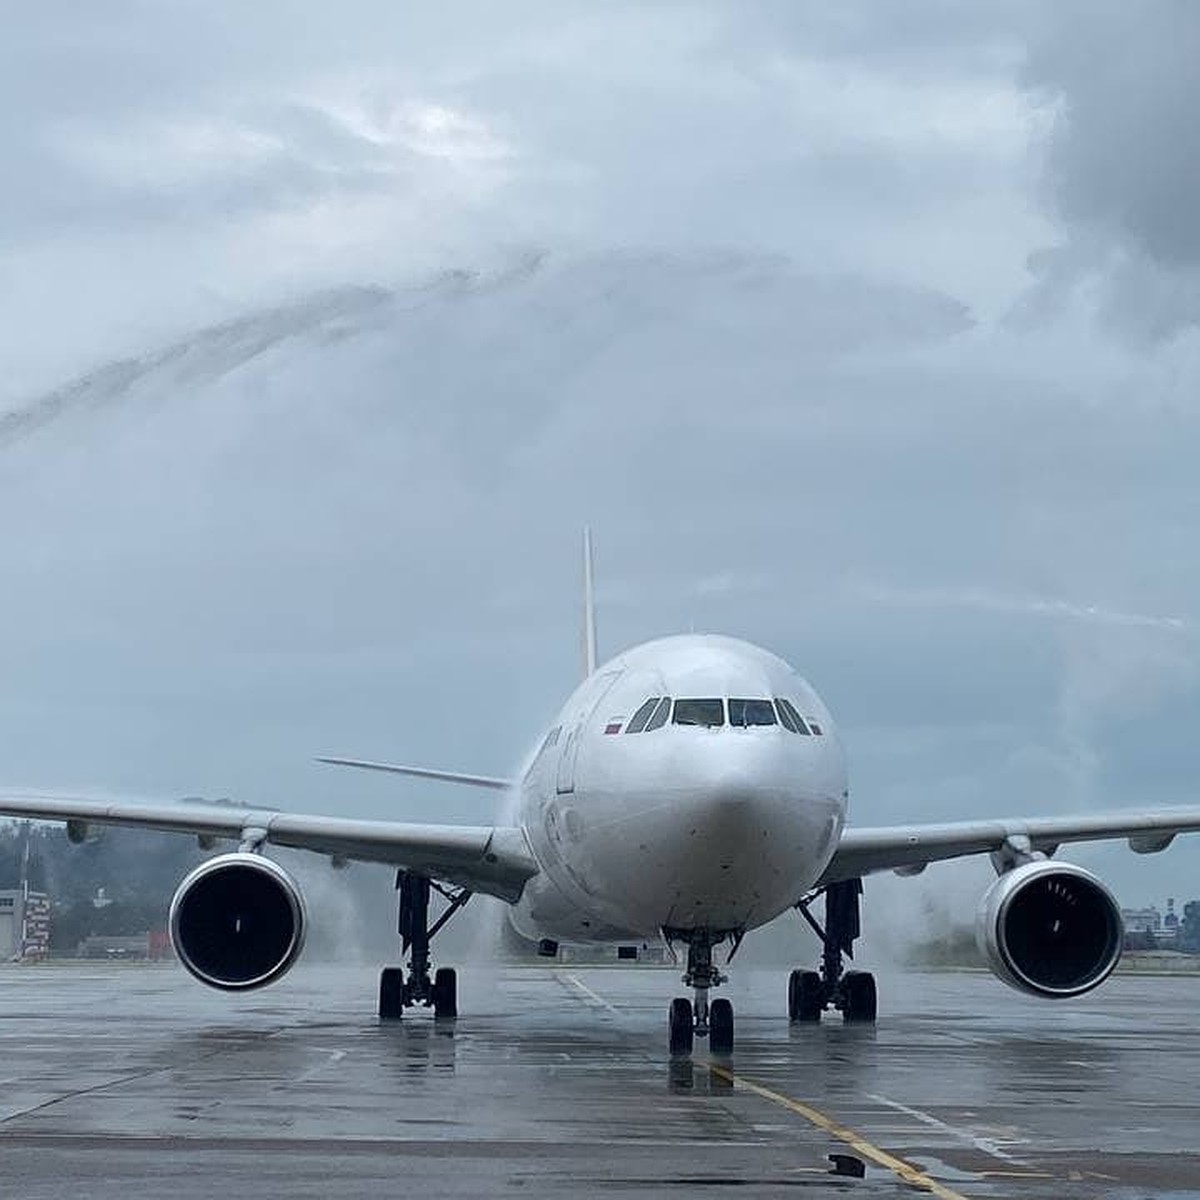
(396, 993)
(690, 1019)
(853, 992)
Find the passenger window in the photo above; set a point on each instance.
(661, 713)
(710, 713)
(751, 712)
(638, 721)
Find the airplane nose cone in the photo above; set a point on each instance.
(728, 822)
(732, 855)
(736, 841)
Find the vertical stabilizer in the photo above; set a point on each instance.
(589, 607)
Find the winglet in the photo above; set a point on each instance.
(589, 607)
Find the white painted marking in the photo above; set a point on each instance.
(986, 1145)
(333, 1056)
(588, 994)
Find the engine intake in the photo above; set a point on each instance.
(1050, 929)
(238, 922)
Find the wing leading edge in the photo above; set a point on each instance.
(495, 860)
(911, 847)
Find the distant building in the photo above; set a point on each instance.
(24, 924)
(152, 945)
(1150, 929)
(1170, 926)
(1142, 920)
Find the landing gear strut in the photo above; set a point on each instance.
(852, 992)
(690, 1019)
(396, 993)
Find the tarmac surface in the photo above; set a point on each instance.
(134, 1081)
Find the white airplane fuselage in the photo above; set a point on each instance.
(679, 827)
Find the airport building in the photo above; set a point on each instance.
(152, 945)
(24, 924)
(1151, 928)
(1142, 920)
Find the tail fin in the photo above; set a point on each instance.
(589, 607)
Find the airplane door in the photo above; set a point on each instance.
(565, 782)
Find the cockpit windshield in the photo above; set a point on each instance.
(751, 712)
(638, 721)
(790, 718)
(661, 713)
(710, 713)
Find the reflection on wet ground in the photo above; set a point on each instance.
(133, 1081)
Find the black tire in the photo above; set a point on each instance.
(806, 997)
(391, 994)
(861, 1000)
(680, 1028)
(445, 993)
(720, 1027)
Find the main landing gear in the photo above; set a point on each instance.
(690, 1019)
(853, 992)
(396, 993)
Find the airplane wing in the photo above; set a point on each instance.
(907, 849)
(494, 860)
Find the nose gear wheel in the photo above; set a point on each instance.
(690, 1019)
(680, 1026)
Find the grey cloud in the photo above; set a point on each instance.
(1121, 161)
(680, 126)
(1121, 156)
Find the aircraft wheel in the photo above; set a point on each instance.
(391, 994)
(680, 1027)
(445, 993)
(720, 1027)
(861, 997)
(806, 997)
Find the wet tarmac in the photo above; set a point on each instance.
(134, 1081)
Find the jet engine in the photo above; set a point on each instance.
(1050, 929)
(238, 922)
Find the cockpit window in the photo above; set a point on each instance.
(699, 712)
(751, 712)
(814, 726)
(661, 713)
(638, 721)
(790, 718)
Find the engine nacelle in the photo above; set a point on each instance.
(1051, 929)
(238, 922)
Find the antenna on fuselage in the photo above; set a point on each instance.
(589, 607)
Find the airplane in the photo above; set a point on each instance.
(692, 789)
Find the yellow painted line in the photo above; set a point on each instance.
(898, 1167)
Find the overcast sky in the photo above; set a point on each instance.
(865, 331)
